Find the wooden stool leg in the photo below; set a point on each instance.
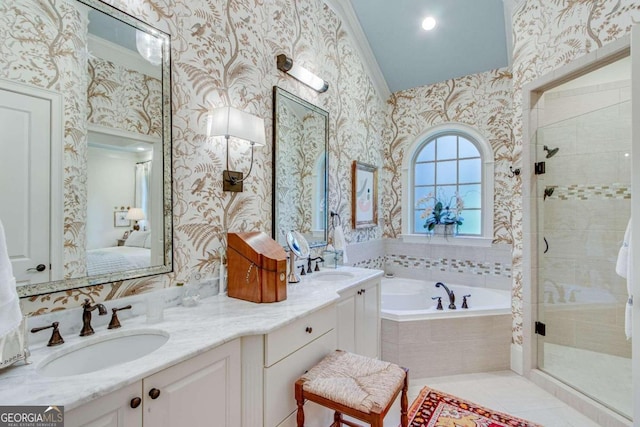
(337, 419)
(404, 421)
(300, 401)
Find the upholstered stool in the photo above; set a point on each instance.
(354, 385)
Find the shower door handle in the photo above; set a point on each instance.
(546, 245)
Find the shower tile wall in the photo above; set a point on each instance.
(585, 217)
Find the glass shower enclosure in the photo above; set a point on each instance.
(583, 208)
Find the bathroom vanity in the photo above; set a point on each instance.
(226, 362)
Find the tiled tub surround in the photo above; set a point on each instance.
(435, 343)
(193, 330)
(472, 266)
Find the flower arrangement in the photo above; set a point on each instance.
(441, 212)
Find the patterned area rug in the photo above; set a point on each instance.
(433, 408)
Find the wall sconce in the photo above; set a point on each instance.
(229, 122)
(135, 214)
(286, 65)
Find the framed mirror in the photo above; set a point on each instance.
(85, 132)
(300, 169)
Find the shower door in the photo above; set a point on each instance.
(584, 204)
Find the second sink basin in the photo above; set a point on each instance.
(331, 276)
(102, 352)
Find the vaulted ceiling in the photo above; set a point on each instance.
(470, 36)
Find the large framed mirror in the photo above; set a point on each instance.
(300, 169)
(85, 136)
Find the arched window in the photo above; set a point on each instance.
(449, 180)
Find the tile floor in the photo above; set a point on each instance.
(505, 391)
(604, 377)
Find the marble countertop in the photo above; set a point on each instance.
(192, 331)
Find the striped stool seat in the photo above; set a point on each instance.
(358, 386)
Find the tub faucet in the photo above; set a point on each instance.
(452, 297)
(87, 308)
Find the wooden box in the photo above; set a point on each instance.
(257, 267)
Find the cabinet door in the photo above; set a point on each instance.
(346, 328)
(202, 391)
(367, 332)
(112, 410)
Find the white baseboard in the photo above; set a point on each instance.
(517, 361)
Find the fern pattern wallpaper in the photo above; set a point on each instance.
(223, 53)
(301, 147)
(123, 98)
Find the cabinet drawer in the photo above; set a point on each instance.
(279, 379)
(289, 338)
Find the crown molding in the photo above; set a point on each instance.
(347, 14)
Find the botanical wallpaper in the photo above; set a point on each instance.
(300, 147)
(223, 53)
(482, 101)
(548, 34)
(42, 44)
(123, 99)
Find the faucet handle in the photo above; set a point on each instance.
(439, 307)
(56, 338)
(115, 322)
(464, 300)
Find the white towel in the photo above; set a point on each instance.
(624, 269)
(10, 314)
(340, 243)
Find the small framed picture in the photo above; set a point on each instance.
(364, 195)
(120, 219)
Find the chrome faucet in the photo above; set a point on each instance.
(87, 308)
(452, 297)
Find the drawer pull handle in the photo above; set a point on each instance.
(359, 292)
(135, 402)
(363, 290)
(154, 393)
(309, 329)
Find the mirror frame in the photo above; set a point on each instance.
(278, 94)
(167, 267)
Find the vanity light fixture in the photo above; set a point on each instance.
(286, 65)
(149, 47)
(231, 122)
(135, 214)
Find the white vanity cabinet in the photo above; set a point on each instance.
(201, 391)
(358, 314)
(271, 364)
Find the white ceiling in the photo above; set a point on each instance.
(470, 37)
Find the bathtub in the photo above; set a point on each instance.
(431, 342)
(410, 299)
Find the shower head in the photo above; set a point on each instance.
(551, 152)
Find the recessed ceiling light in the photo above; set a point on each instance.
(429, 23)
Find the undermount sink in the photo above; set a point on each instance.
(102, 352)
(331, 276)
